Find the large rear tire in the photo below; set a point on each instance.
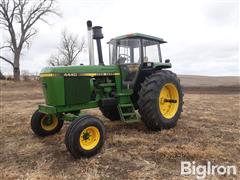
(161, 100)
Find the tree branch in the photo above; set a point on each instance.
(5, 47)
(7, 60)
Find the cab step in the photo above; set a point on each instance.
(127, 113)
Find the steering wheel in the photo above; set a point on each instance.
(123, 58)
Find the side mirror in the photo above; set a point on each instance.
(167, 61)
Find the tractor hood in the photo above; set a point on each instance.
(79, 71)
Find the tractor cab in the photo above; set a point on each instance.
(137, 55)
(135, 49)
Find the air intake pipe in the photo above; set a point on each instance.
(97, 34)
(90, 43)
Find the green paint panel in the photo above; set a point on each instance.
(90, 104)
(77, 90)
(162, 65)
(47, 109)
(53, 90)
(81, 69)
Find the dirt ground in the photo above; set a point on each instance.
(209, 130)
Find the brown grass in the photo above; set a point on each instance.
(209, 130)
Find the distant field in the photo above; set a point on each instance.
(209, 130)
(209, 81)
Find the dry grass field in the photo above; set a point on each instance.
(209, 130)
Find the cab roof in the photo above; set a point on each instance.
(138, 35)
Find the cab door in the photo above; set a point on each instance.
(128, 59)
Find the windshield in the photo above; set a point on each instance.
(126, 51)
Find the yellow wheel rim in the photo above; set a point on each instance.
(49, 124)
(168, 100)
(89, 138)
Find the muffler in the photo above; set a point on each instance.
(90, 43)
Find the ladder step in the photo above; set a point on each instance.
(128, 114)
(126, 105)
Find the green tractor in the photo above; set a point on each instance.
(135, 81)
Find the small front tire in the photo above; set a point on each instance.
(45, 125)
(85, 136)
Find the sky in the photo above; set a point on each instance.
(202, 35)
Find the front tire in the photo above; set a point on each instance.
(45, 125)
(161, 100)
(85, 136)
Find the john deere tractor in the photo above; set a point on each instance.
(136, 85)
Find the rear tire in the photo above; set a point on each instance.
(161, 100)
(110, 112)
(43, 126)
(85, 136)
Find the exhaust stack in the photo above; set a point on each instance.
(90, 43)
(97, 34)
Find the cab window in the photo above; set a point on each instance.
(151, 51)
(128, 51)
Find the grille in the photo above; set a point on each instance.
(77, 90)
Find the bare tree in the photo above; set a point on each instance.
(68, 51)
(18, 18)
(55, 60)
